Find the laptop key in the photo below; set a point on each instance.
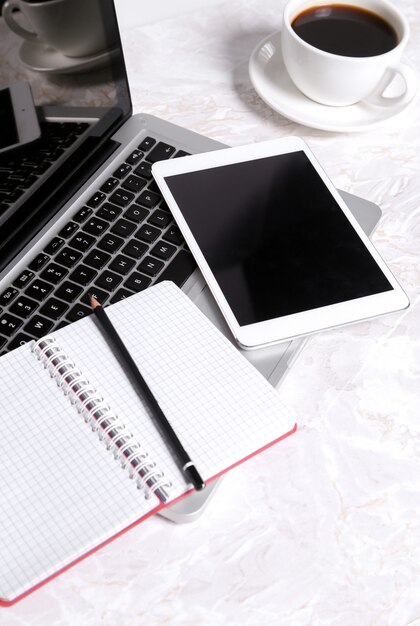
(153, 186)
(121, 197)
(8, 295)
(96, 199)
(122, 171)
(180, 268)
(97, 259)
(164, 206)
(134, 183)
(147, 233)
(23, 307)
(68, 230)
(19, 340)
(163, 250)
(82, 241)
(54, 308)
(135, 249)
(110, 243)
(110, 184)
(68, 292)
(150, 266)
(54, 245)
(137, 282)
(78, 312)
(68, 257)
(122, 264)
(160, 152)
(149, 199)
(83, 275)
(53, 273)
(147, 144)
(99, 294)
(108, 280)
(123, 227)
(160, 218)
(144, 170)
(121, 294)
(109, 212)
(9, 324)
(23, 279)
(15, 194)
(38, 290)
(173, 235)
(82, 215)
(135, 157)
(136, 213)
(39, 261)
(95, 226)
(38, 326)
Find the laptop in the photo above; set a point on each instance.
(80, 211)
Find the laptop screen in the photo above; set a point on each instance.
(63, 92)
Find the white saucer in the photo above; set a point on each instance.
(41, 58)
(272, 83)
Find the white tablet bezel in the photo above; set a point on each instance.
(287, 327)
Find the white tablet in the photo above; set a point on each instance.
(281, 253)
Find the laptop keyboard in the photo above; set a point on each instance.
(122, 241)
(33, 160)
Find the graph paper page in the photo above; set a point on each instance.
(61, 491)
(221, 408)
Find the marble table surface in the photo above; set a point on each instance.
(324, 528)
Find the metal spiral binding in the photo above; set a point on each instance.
(98, 414)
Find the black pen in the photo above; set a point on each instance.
(143, 390)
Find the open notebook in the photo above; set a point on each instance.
(63, 492)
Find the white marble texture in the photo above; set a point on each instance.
(324, 528)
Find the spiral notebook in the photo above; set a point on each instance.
(69, 413)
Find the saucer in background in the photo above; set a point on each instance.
(273, 84)
(41, 58)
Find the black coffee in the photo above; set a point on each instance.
(344, 30)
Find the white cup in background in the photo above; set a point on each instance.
(340, 80)
(73, 27)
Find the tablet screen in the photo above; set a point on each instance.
(274, 237)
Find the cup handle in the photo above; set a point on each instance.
(7, 13)
(409, 78)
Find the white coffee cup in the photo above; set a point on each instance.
(337, 80)
(73, 27)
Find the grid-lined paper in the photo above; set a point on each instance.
(221, 408)
(61, 492)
